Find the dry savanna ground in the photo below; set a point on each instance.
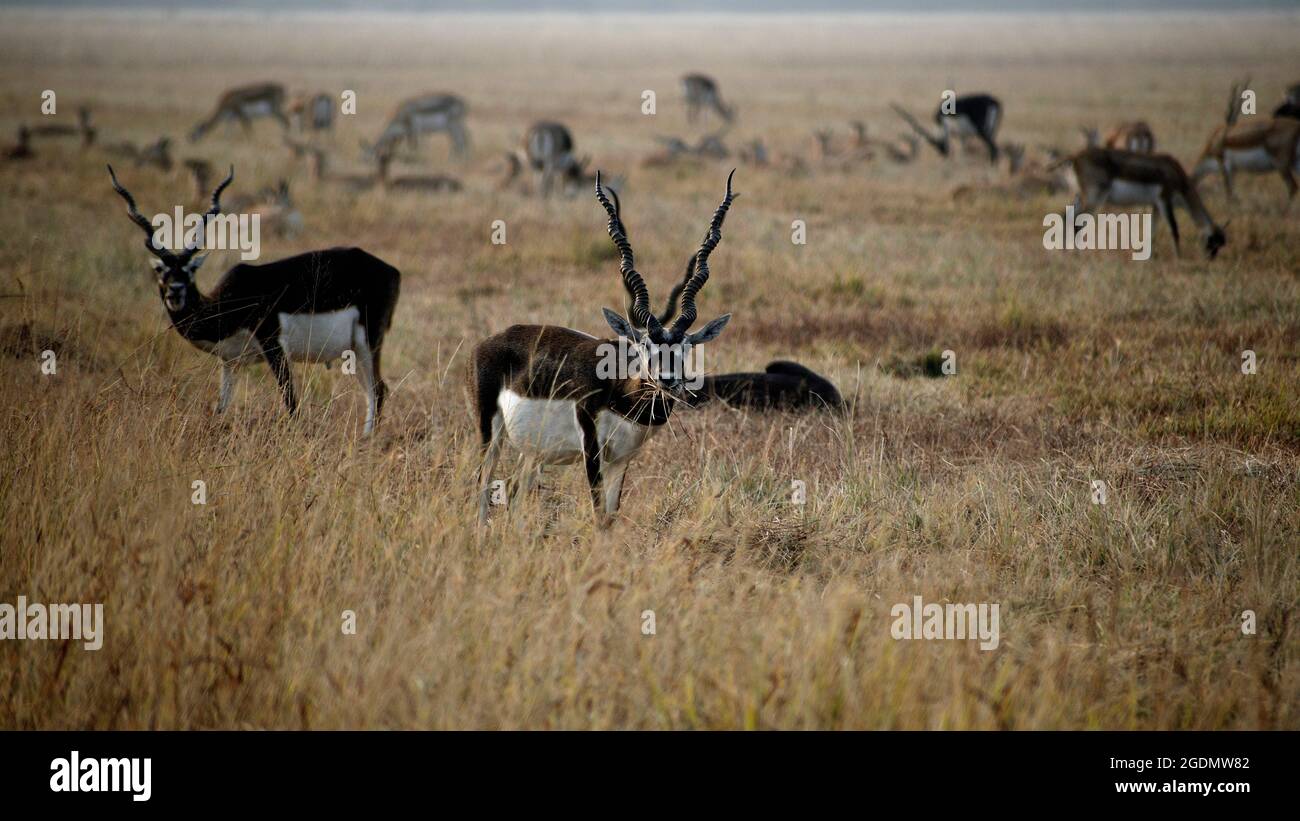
(975, 487)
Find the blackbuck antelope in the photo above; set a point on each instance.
(82, 128)
(242, 105)
(548, 152)
(322, 172)
(781, 386)
(1108, 176)
(421, 183)
(1133, 136)
(312, 112)
(158, 153)
(428, 114)
(973, 115)
(702, 96)
(1291, 105)
(1261, 145)
(314, 307)
(563, 395)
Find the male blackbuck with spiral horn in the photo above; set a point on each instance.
(1261, 145)
(1108, 176)
(241, 105)
(315, 307)
(563, 396)
(969, 115)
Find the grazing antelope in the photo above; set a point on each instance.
(1291, 105)
(314, 112)
(1110, 176)
(548, 389)
(431, 183)
(1264, 144)
(974, 115)
(428, 114)
(709, 147)
(313, 307)
(241, 105)
(702, 95)
(1132, 136)
(548, 152)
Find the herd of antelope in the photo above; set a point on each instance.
(541, 388)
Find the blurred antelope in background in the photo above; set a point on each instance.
(1291, 105)
(549, 391)
(157, 153)
(314, 307)
(1107, 176)
(428, 183)
(702, 96)
(1133, 136)
(427, 114)
(82, 128)
(974, 115)
(1261, 145)
(548, 152)
(312, 112)
(243, 105)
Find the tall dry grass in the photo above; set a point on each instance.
(973, 488)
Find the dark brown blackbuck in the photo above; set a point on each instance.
(563, 396)
(966, 116)
(315, 307)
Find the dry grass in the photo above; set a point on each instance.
(974, 488)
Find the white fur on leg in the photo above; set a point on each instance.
(612, 483)
(366, 374)
(227, 386)
(485, 472)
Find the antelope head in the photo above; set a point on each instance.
(661, 344)
(175, 269)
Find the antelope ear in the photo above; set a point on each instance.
(621, 326)
(193, 264)
(710, 331)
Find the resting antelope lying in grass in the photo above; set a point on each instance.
(552, 392)
(314, 307)
(1133, 136)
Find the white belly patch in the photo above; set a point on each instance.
(319, 337)
(548, 428)
(1132, 193)
(258, 109)
(1252, 159)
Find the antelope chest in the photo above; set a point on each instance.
(259, 108)
(1123, 192)
(430, 121)
(1249, 159)
(321, 337)
(548, 428)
